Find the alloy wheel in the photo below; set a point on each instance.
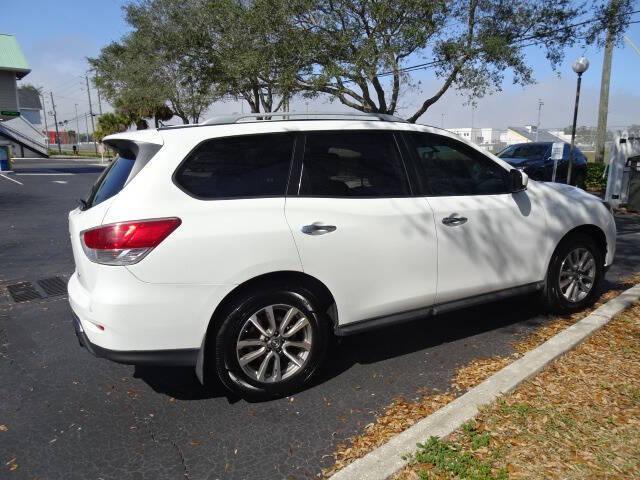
(577, 274)
(274, 343)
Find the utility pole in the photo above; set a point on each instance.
(55, 119)
(99, 102)
(540, 104)
(601, 132)
(93, 125)
(86, 124)
(46, 125)
(77, 129)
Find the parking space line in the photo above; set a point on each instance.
(45, 174)
(11, 179)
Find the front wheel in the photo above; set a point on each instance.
(574, 275)
(271, 344)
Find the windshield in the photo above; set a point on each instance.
(111, 181)
(527, 151)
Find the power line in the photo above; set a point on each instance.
(434, 63)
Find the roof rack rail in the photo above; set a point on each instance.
(284, 116)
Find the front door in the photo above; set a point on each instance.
(357, 227)
(488, 238)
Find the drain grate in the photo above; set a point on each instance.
(53, 286)
(23, 292)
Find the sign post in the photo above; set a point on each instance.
(556, 154)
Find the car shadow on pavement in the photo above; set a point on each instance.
(513, 316)
(181, 383)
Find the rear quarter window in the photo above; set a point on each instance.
(111, 181)
(237, 167)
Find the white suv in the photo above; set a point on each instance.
(241, 245)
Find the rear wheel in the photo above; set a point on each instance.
(575, 273)
(271, 344)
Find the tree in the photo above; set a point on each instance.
(110, 123)
(31, 88)
(247, 49)
(360, 49)
(155, 65)
(256, 52)
(166, 32)
(129, 80)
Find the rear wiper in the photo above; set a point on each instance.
(83, 204)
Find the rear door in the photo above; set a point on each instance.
(487, 236)
(357, 225)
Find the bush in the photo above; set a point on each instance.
(595, 179)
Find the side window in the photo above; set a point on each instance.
(111, 181)
(245, 166)
(352, 164)
(448, 167)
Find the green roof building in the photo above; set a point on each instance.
(13, 66)
(16, 132)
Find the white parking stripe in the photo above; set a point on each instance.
(45, 174)
(11, 179)
(59, 181)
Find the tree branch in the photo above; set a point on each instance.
(456, 69)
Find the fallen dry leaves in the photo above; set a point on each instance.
(402, 414)
(579, 418)
(397, 417)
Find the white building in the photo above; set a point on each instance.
(485, 137)
(527, 134)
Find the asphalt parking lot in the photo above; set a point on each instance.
(67, 415)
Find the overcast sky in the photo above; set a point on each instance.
(57, 37)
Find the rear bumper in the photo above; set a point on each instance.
(182, 357)
(123, 318)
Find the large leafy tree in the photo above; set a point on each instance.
(129, 80)
(172, 31)
(155, 71)
(250, 48)
(362, 52)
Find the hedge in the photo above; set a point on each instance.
(595, 179)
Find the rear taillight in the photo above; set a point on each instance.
(126, 243)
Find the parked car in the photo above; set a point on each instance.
(241, 246)
(534, 159)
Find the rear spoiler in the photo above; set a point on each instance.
(133, 149)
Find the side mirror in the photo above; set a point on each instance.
(518, 179)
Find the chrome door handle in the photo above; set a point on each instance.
(454, 221)
(318, 229)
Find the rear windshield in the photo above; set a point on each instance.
(111, 181)
(529, 152)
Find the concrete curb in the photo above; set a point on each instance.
(387, 459)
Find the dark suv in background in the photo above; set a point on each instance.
(535, 160)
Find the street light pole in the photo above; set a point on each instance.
(579, 66)
(540, 104)
(77, 129)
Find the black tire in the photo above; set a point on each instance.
(553, 298)
(227, 363)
